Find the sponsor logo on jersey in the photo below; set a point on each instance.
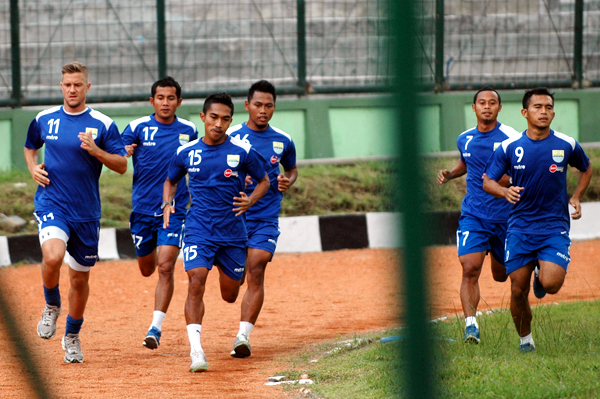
(520, 167)
(184, 139)
(51, 137)
(558, 155)
(554, 168)
(277, 147)
(496, 145)
(93, 131)
(233, 160)
(229, 173)
(191, 170)
(274, 159)
(466, 154)
(149, 144)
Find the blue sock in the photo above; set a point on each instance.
(52, 296)
(73, 325)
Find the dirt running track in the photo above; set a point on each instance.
(310, 298)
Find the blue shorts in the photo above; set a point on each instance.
(81, 237)
(476, 235)
(198, 252)
(524, 248)
(148, 233)
(262, 235)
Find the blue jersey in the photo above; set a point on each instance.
(73, 172)
(540, 167)
(276, 147)
(156, 145)
(216, 175)
(475, 149)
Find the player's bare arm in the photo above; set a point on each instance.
(243, 202)
(114, 162)
(582, 183)
(445, 175)
(286, 179)
(169, 189)
(130, 149)
(39, 175)
(511, 194)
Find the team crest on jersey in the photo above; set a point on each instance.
(277, 147)
(93, 131)
(558, 155)
(184, 139)
(233, 160)
(496, 145)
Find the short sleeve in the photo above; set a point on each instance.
(112, 142)
(255, 164)
(128, 136)
(34, 136)
(288, 160)
(497, 165)
(177, 168)
(579, 158)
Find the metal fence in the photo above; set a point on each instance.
(509, 43)
(301, 46)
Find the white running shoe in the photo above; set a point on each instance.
(72, 348)
(241, 347)
(46, 328)
(199, 363)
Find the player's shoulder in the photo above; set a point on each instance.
(280, 132)
(187, 123)
(508, 130)
(511, 140)
(233, 129)
(570, 140)
(187, 145)
(106, 120)
(244, 145)
(139, 121)
(48, 112)
(467, 132)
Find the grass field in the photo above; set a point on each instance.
(319, 190)
(565, 364)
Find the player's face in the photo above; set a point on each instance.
(487, 107)
(75, 87)
(216, 122)
(165, 103)
(540, 112)
(260, 109)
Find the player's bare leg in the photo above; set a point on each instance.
(520, 310)
(230, 288)
(552, 276)
(148, 263)
(498, 270)
(167, 256)
(469, 293)
(78, 293)
(194, 313)
(53, 252)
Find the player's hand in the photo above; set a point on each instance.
(242, 203)
(167, 211)
(512, 194)
(576, 214)
(283, 182)
(39, 175)
(130, 148)
(444, 176)
(248, 181)
(88, 143)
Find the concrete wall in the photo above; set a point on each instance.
(342, 127)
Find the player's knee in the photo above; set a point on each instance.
(499, 276)
(230, 296)
(166, 270)
(79, 281)
(519, 291)
(471, 269)
(553, 287)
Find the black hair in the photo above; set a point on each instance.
(218, 98)
(263, 86)
(486, 88)
(167, 81)
(541, 91)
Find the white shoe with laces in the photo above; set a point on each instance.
(46, 328)
(72, 348)
(199, 363)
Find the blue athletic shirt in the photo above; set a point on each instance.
(475, 149)
(276, 147)
(540, 167)
(216, 175)
(73, 172)
(156, 145)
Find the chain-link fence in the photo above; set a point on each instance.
(510, 43)
(301, 46)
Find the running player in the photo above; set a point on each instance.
(482, 223)
(262, 220)
(153, 140)
(538, 225)
(215, 233)
(78, 141)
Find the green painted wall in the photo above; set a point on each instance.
(340, 127)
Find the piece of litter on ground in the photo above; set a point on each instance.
(276, 378)
(306, 381)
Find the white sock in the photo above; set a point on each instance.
(245, 328)
(527, 339)
(193, 331)
(157, 319)
(471, 320)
